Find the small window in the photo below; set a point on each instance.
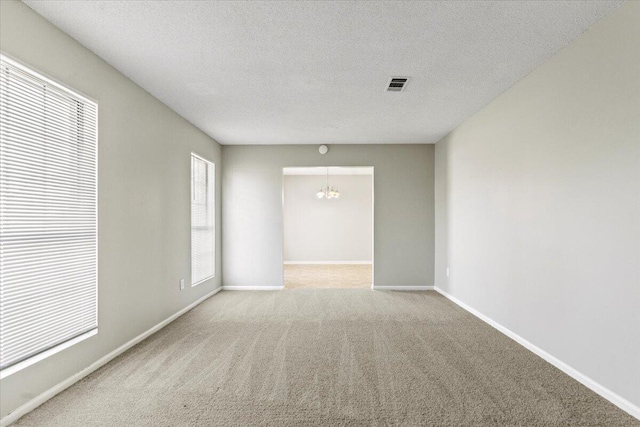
(202, 220)
(48, 217)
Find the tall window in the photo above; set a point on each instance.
(202, 219)
(48, 218)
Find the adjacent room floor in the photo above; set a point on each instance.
(329, 358)
(349, 276)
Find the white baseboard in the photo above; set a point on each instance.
(612, 397)
(403, 288)
(326, 262)
(252, 288)
(40, 399)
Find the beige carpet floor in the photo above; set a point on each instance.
(328, 358)
(349, 276)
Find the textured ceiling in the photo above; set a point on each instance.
(315, 72)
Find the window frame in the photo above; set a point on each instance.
(81, 97)
(191, 192)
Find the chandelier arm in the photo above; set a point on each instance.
(328, 192)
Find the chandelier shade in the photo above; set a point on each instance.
(328, 191)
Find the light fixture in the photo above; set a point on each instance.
(328, 192)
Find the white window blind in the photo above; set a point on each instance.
(48, 218)
(202, 219)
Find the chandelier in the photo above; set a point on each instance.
(328, 192)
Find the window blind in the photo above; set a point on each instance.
(48, 218)
(202, 219)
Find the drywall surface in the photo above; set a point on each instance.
(143, 202)
(538, 206)
(324, 230)
(253, 214)
(283, 72)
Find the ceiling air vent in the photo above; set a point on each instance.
(397, 84)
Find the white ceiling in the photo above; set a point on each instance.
(315, 72)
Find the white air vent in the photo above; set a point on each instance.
(397, 84)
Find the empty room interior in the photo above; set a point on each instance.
(319, 213)
(328, 233)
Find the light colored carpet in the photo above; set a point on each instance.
(349, 276)
(328, 358)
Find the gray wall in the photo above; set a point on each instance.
(403, 211)
(144, 161)
(322, 230)
(538, 206)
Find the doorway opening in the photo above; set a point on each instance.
(328, 227)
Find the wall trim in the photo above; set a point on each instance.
(252, 288)
(612, 397)
(326, 262)
(61, 386)
(403, 288)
